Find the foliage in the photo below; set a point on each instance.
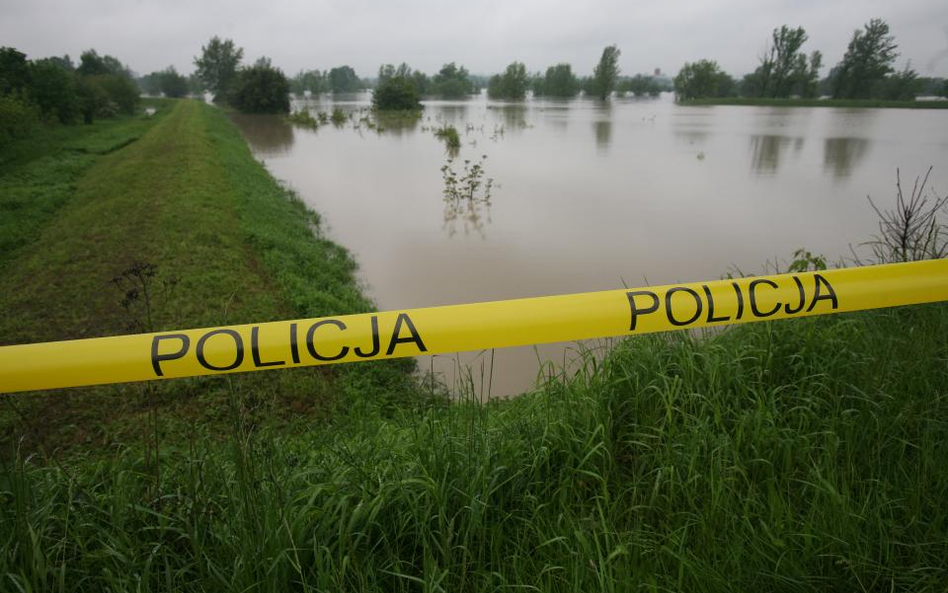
(92, 64)
(172, 84)
(903, 85)
(14, 71)
(512, 84)
(217, 66)
(54, 90)
(303, 118)
(261, 88)
(911, 231)
(559, 81)
(782, 66)
(703, 79)
(18, 118)
(867, 61)
(448, 133)
(451, 82)
(606, 72)
(338, 116)
(640, 85)
(313, 81)
(397, 93)
(343, 79)
(121, 95)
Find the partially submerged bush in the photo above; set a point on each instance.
(261, 88)
(449, 134)
(397, 94)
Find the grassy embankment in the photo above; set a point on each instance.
(848, 103)
(795, 455)
(188, 197)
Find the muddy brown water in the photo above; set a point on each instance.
(588, 196)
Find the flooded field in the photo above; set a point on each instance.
(550, 197)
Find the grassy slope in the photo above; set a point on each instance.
(189, 198)
(847, 103)
(804, 455)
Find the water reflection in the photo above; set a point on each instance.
(514, 116)
(466, 197)
(394, 123)
(269, 135)
(766, 151)
(842, 155)
(603, 134)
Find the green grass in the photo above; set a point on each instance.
(189, 197)
(848, 103)
(800, 455)
(804, 455)
(38, 175)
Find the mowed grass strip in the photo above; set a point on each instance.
(188, 197)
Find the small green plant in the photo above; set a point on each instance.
(338, 116)
(303, 118)
(323, 117)
(805, 261)
(466, 194)
(450, 135)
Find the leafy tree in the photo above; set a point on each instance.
(343, 79)
(806, 75)
(901, 86)
(512, 84)
(261, 88)
(150, 84)
(53, 88)
(92, 64)
(451, 82)
(606, 72)
(867, 61)
(775, 75)
(122, 95)
(217, 66)
(171, 83)
(703, 79)
(559, 81)
(397, 93)
(308, 80)
(640, 85)
(14, 71)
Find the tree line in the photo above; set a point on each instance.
(866, 71)
(55, 89)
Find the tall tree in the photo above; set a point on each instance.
(512, 84)
(867, 61)
(217, 66)
(343, 79)
(702, 79)
(606, 72)
(559, 81)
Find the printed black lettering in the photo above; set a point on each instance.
(668, 306)
(294, 346)
(238, 342)
(636, 311)
(376, 343)
(740, 300)
(752, 291)
(799, 307)
(157, 359)
(255, 350)
(831, 296)
(312, 348)
(711, 317)
(415, 338)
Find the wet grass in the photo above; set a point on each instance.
(847, 103)
(803, 455)
(188, 197)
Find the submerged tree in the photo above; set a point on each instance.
(261, 88)
(559, 81)
(451, 82)
(343, 79)
(867, 61)
(703, 79)
(397, 93)
(217, 66)
(512, 84)
(606, 72)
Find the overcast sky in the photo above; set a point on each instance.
(484, 36)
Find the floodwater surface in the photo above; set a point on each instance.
(580, 195)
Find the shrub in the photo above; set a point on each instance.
(54, 91)
(261, 88)
(18, 118)
(512, 84)
(397, 94)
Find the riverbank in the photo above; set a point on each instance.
(183, 206)
(804, 454)
(845, 103)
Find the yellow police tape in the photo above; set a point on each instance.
(434, 330)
